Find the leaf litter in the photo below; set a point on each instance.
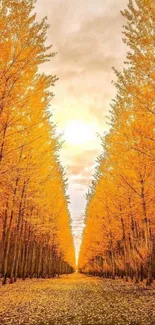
(76, 300)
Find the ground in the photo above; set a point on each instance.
(76, 300)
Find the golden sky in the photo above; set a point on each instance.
(87, 36)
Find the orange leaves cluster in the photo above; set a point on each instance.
(119, 238)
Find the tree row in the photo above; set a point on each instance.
(119, 237)
(35, 226)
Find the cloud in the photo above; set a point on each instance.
(82, 160)
(93, 45)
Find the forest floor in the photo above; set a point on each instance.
(76, 300)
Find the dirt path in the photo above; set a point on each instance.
(76, 300)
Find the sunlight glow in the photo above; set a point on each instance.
(78, 132)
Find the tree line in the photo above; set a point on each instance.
(35, 226)
(119, 237)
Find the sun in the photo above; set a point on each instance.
(78, 132)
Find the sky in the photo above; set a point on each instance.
(87, 37)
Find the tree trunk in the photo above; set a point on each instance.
(8, 236)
